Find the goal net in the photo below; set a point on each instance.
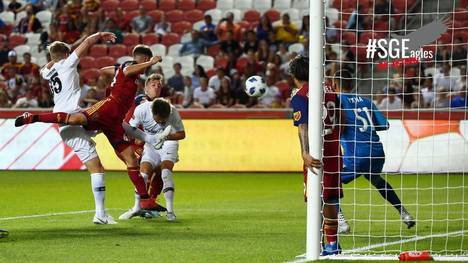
(408, 57)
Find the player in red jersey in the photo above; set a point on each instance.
(331, 161)
(107, 115)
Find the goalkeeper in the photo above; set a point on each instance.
(363, 151)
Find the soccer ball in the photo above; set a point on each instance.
(255, 86)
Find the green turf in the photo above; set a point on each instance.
(221, 218)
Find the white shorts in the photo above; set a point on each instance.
(169, 152)
(77, 138)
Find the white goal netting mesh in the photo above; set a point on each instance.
(424, 97)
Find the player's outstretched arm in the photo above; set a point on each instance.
(179, 135)
(93, 39)
(155, 140)
(108, 71)
(140, 68)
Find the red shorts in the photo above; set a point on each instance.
(107, 116)
(331, 185)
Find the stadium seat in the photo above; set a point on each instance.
(8, 17)
(296, 47)
(130, 49)
(193, 16)
(206, 4)
(109, 5)
(461, 14)
(170, 39)
(216, 14)
(207, 62)
(21, 49)
(41, 61)
(210, 73)
(174, 50)
(98, 51)
(129, 5)
(213, 50)
(181, 27)
(167, 62)
(158, 49)
(175, 16)
(117, 50)
(243, 4)
(104, 62)
(283, 87)
(131, 39)
(221, 62)
(187, 37)
(150, 39)
(293, 13)
(245, 25)
(155, 15)
(87, 62)
(167, 5)
(282, 4)
(16, 40)
(91, 73)
(187, 71)
(273, 15)
(44, 16)
(301, 4)
(381, 26)
(168, 72)
(198, 25)
(148, 5)
(365, 36)
(350, 37)
(251, 16)
(262, 5)
(33, 38)
(123, 59)
(225, 4)
(445, 38)
(463, 35)
(186, 5)
(402, 6)
(241, 63)
(131, 14)
(332, 15)
(237, 14)
(304, 12)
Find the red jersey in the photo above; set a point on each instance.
(123, 88)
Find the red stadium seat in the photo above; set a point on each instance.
(148, 4)
(410, 72)
(150, 39)
(340, 24)
(112, 14)
(273, 15)
(382, 26)
(461, 14)
(194, 16)
(155, 15)
(284, 89)
(463, 3)
(346, 14)
(241, 63)
(91, 73)
(349, 37)
(210, 73)
(186, 5)
(130, 49)
(117, 51)
(3, 37)
(252, 15)
(16, 40)
(222, 62)
(244, 24)
(87, 62)
(181, 27)
(206, 4)
(131, 14)
(104, 62)
(167, 5)
(402, 6)
(445, 38)
(98, 51)
(463, 35)
(170, 39)
(110, 5)
(131, 39)
(129, 5)
(175, 16)
(213, 50)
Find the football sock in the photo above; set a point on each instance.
(156, 186)
(136, 206)
(138, 181)
(385, 190)
(168, 189)
(54, 117)
(330, 222)
(99, 191)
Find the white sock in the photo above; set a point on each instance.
(145, 177)
(136, 206)
(99, 191)
(168, 189)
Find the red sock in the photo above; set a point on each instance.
(55, 117)
(156, 186)
(138, 181)
(330, 232)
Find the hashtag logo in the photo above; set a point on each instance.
(371, 48)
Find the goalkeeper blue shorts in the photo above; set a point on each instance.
(361, 166)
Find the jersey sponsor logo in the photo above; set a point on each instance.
(297, 115)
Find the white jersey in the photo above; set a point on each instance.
(64, 82)
(144, 116)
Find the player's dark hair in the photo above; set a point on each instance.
(142, 50)
(161, 108)
(344, 78)
(299, 68)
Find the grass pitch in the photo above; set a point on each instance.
(227, 217)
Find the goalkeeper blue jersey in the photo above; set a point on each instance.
(362, 119)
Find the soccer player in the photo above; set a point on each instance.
(363, 151)
(64, 81)
(107, 115)
(156, 116)
(299, 70)
(3, 233)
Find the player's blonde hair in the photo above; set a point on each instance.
(154, 76)
(58, 50)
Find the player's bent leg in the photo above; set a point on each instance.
(53, 117)
(168, 188)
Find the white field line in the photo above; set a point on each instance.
(53, 214)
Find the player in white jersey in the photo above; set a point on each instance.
(155, 117)
(64, 82)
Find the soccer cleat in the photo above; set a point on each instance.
(3, 233)
(331, 249)
(149, 204)
(343, 226)
(171, 217)
(160, 208)
(130, 214)
(26, 118)
(407, 218)
(150, 214)
(104, 220)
